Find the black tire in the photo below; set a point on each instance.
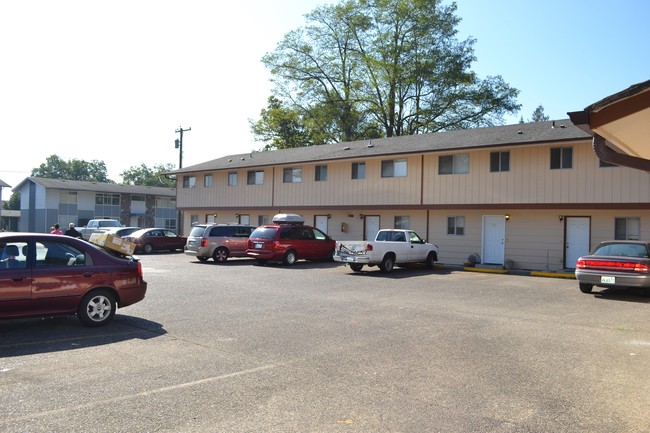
(432, 257)
(220, 255)
(97, 308)
(356, 267)
(202, 259)
(290, 258)
(387, 264)
(586, 288)
(147, 249)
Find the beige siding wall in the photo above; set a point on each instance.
(534, 240)
(220, 194)
(341, 190)
(530, 180)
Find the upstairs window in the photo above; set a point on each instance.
(358, 170)
(453, 164)
(393, 168)
(561, 157)
(321, 173)
(207, 181)
(255, 177)
(292, 175)
(499, 161)
(189, 181)
(232, 178)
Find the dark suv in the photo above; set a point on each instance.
(218, 241)
(288, 240)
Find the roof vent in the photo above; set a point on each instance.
(370, 144)
(520, 132)
(553, 125)
(346, 148)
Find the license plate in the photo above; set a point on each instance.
(259, 245)
(608, 280)
(348, 259)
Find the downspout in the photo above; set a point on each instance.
(606, 154)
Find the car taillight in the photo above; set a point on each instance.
(369, 247)
(140, 276)
(612, 265)
(276, 245)
(204, 242)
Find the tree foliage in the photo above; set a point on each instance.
(145, 176)
(538, 115)
(377, 68)
(74, 169)
(13, 203)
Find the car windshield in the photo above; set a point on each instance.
(263, 233)
(628, 250)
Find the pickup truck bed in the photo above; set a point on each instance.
(391, 247)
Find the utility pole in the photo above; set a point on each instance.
(179, 145)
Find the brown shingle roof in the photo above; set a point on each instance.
(509, 135)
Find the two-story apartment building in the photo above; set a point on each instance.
(531, 196)
(44, 202)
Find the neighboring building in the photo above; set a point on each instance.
(44, 202)
(8, 218)
(531, 196)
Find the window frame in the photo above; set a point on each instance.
(358, 170)
(457, 163)
(500, 161)
(456, 225)
(561, 158)
(391, 168)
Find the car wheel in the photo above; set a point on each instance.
(586, 288)
(147, 248)
(202, 259)
(220, 255)
(356, 267)
(290, 258)
(97, 308)
(387, 264)
(431, 260)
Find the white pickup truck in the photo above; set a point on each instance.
(97, 226)
(391, 247)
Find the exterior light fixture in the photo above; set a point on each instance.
(561, 218)
(507, 217)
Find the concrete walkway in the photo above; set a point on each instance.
(565, 273)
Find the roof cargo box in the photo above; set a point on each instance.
(288, 218)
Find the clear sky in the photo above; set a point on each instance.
(112, 81)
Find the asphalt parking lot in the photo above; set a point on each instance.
(315, 347)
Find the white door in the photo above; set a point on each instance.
(577, 240)
(494, 234)
(371, 227)
(321, 223)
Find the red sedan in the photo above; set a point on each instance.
(156, 239)
(47, 275)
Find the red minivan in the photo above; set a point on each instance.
(288, 240)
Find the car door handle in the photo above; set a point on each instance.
(88, 274)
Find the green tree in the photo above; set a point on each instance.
(14, 201)
(369, 68)
(74, 169)
(538, 115)
(145, 176)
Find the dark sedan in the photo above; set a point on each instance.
(47, 275)
(156, 239)
(615, 264)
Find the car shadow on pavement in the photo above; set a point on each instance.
(398, 272)
(19, 337)
(631, 294)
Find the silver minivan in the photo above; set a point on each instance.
(218, 241)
